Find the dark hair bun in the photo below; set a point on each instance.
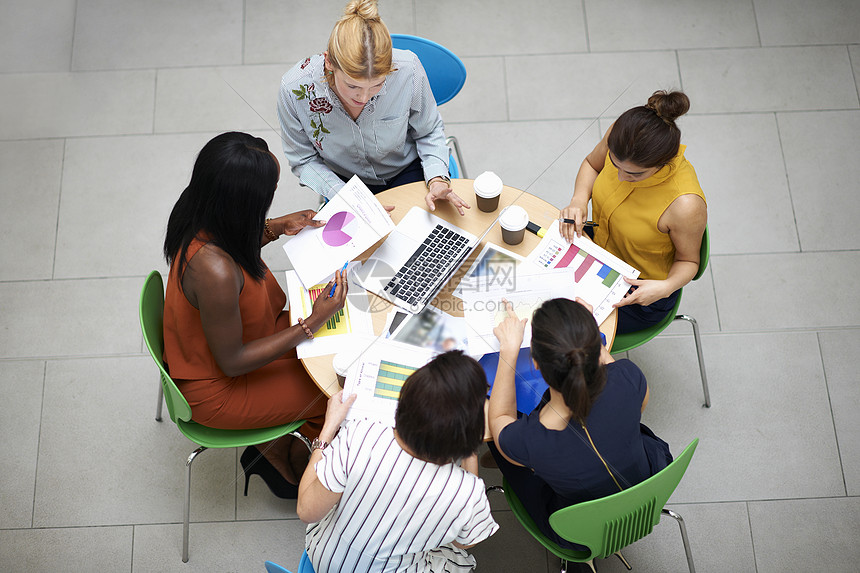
(669, 105)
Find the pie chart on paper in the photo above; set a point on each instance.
(336, 231)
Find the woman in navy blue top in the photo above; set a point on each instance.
(584, 440)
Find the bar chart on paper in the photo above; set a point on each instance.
(599, 275)
(339, 322)
(390, 379)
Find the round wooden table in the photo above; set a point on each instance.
(474, 221)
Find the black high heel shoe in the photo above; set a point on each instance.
(253, 462)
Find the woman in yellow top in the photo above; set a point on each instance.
(648, 206)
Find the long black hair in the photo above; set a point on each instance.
(566, 346)
(231, 189)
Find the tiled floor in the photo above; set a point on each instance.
(105, 104)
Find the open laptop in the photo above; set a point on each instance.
(417, 259)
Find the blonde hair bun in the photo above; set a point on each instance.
(366, 9)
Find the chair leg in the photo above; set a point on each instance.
(686, 541)
(160, 401)
(698, 340)
(302, 437)
(186, 510)
(626, 564)
(452, 141)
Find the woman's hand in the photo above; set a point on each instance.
(510, 331)
(439, 189)
(644, 292)
(578, 214)
(295, 222)
(325, 306)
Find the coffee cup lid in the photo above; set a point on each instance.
(514, 218)
(344, 360)
(488, 185)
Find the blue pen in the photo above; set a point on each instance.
(331, 294)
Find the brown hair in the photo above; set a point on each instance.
(360, 45)
(440, 414)
(566, 346)
(647, 135)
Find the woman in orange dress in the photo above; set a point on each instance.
(228, 343)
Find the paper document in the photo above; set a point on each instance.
(598, 274)
(355, 220)
(347, 322)
(484, 310)
(378, 377)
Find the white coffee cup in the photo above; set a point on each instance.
(513, 223)
(488, 187)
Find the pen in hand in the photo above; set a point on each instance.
(573, 222)
(331, 294)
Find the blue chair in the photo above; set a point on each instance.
(446, 74)
(304, 566)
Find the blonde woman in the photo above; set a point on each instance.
(363, 108)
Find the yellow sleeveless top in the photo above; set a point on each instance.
(627, 214)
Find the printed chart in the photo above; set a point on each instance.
(598, 274)
(336, 231)
(390, 378)
(379, 376)
(339, 323)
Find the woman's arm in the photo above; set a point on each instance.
(684, 220)
(315, 501)
(503, 398)
(590, 168)
(212, 284)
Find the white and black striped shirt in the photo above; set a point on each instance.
(397, 513)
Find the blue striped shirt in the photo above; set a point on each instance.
(398, 125)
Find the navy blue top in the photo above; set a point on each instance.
(565, 460)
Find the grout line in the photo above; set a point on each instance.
(507, 89)
(39, 444)
(832, 415)
(242, 33)
(74, 37)
(59, 206)
(131, 564)
(788, 183)
(755, 21)
(752, 537)
(853, 74)
(680, 76)
(585, 27)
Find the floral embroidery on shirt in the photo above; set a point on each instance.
(318, 106)
(305, 63)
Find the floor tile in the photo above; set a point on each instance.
(539, 157)
(21, 384)
(286, 32)
(719, 536)
(502, 28)
(70, 318)
(239, 98)
(666, 24)
(740, 167)
(821, 159)
(36, 35)
(482, 98)
(110, 404)
(241, 547)
(511, 548)
(750, 446)
(783, 530)
(69, 549)
(836, 349)
(81, 104)
(803, 290)
(138, 197)
(798, 22)
(28, 228)
(770, 79)
(577, 85)
(108, 34)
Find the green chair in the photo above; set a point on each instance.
(609, 524)
(630, 340)
(151, 323)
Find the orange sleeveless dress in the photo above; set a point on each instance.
(278, 393)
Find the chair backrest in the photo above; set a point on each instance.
(445, 71)
(611, 523)
(704, 254)
(151, 311)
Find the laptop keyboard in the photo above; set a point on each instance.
(417, 277)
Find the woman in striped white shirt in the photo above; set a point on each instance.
(408, 498)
